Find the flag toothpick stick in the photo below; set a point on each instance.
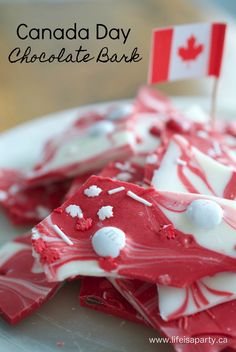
(213, 103)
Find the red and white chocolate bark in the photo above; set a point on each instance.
(26, 205)
(212, 330)
(190, 170)
(201, 295)
(81, 150)
(23, 285)
(113, 228)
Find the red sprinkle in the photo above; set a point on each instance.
(155, 131)
(49, 256)
(108, 263)
(168, 231)
(84, 224)
(39, 245)
(58, 210)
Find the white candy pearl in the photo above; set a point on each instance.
(205, 213)
(120, 112)
(101, 128)
(108, 241)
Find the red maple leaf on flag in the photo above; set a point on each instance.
(191, 51)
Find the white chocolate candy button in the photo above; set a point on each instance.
(101, 128)
(120, 112)
(108, 241)
(205, 213)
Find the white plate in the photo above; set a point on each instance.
(62, 319)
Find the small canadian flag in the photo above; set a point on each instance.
(186, 51)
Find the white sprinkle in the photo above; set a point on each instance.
(123, 176)
(139, 199)
(216, 147)
(105, 212)
(124, 166)
(151, 159)
(63, 235)
(35, 234)
(74, 210)
(92, 191)
(181, 162)
(3, 195)
(116, 190)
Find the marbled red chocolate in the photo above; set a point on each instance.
(99, 294)
(23, 285)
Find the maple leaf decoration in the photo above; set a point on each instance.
(191, 51)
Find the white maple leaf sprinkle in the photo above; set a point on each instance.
(151, 159)
(138, 199)
(116, 190)
(105, 212)
(123, 176)
(181, 162)
(3, 195)
(74, 211)
(92, 191)
(63, 236)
